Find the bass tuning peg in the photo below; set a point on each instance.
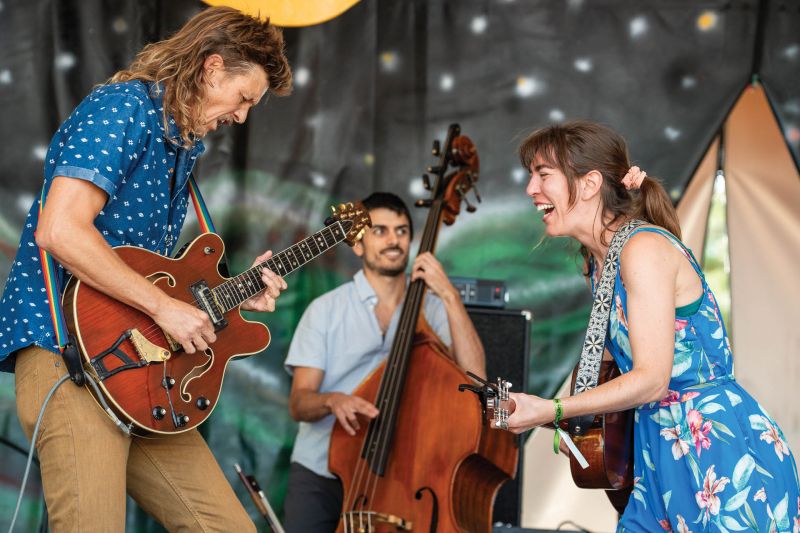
(435, 169)
(470, 208)
(477, 194)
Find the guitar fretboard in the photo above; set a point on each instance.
(231, 293)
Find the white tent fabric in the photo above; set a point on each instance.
(763, 199)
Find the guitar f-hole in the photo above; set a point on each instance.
(196, 373)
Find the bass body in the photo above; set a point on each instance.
(443, 476)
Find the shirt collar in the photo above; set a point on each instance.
(364, 290)
(155, 92)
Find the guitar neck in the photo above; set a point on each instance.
(233, 292)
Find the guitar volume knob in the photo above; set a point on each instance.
(203, 403)
(159, 412)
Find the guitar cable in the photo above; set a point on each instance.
(581, 529)
(125, 429)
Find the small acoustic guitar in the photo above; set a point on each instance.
(149, 381)
(607, 444)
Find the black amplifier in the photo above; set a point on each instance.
(481, 292)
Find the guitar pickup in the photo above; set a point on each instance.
(205, 300)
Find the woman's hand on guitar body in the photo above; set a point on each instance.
(186, 324)
(346, 409)
(265, 301)
(530, 411)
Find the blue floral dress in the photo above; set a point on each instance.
(707, 457)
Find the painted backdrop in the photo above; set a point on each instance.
(374, 87)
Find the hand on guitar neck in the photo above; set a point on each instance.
(191, 328)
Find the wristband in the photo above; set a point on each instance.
(559, 414)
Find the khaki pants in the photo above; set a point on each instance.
(88, 464)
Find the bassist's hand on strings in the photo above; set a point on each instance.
(428, 268)
(265, 301)
(346, 408)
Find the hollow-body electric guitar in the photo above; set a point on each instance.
(154, 386)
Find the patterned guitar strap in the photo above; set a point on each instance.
(594, 343)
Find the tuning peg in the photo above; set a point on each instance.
(437, 149)
(342, 207)
(423, 203)
(470, 208)
(349, 205)
(333, 210)
(435, 170)
(477, 194)
(426, 182)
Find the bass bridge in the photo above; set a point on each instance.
(367, 521)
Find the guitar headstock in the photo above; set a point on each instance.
(495, 402)
(354, 218)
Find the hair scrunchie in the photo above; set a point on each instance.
(634, 178)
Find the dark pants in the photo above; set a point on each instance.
(313, 503)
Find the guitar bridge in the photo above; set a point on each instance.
(205, 299)
(147, 350)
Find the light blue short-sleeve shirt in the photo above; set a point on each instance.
(339, 334)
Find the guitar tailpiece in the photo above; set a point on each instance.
(97, 361)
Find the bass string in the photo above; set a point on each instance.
(398, 363)
(411, 316)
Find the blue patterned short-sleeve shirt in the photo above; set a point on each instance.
(114, 139)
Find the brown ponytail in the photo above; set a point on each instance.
(652, 204)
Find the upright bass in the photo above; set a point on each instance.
(427, 462)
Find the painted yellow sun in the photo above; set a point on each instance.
(707, 20)
(289, 12)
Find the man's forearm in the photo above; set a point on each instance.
(88, 256)
(310, 406)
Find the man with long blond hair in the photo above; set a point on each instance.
(116, 173)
